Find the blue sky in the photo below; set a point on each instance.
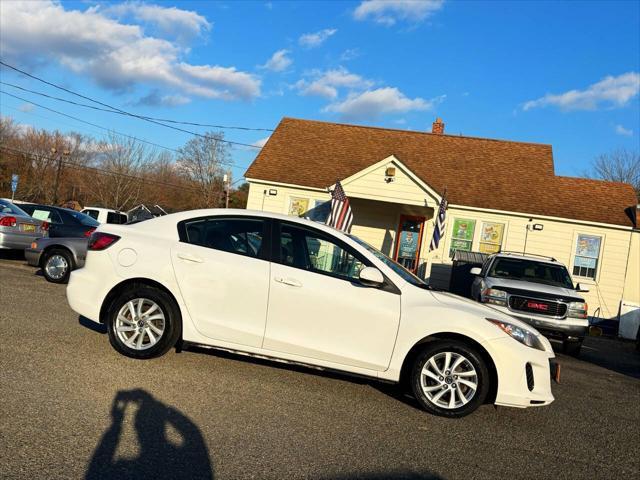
(564, 73)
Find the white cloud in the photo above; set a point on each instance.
(374, 103)
(627, 132)
(388, 12)
(279, 61)
(610, 92)
(349, 54)
(27, 107)
(183, 25)
(155, 98)
(115, 55)
(326, 84)
(316, 39)
(262, 142)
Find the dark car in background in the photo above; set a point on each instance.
(64, 222)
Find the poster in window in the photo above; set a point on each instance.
(491, 232)
(460, 245)
(489, 247)
(298, 206)
(463, 229)
(408, 247)
(585, 262)
(588, 246)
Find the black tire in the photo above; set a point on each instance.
(472, 356)
(57, 255)
(572, 347)
(172, 323)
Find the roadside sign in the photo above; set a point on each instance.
(14, 182)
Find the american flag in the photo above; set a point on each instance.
(341, 216)
(438, 229)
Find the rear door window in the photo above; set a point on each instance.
(242, 236)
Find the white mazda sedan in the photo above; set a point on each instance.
(297, 291)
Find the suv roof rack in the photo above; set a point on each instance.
(508, 252)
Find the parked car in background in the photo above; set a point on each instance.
(17, 228)
(298, 291)
(57, 257)
(63, 222)
(106, 215)
(536, 290)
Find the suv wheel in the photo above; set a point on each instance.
(450, 378)
(57, 266)
(143, 322)
(572, 347)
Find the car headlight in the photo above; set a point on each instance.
(578, 310)
(494, 296)
(522, 335)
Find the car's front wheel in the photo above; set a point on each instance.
(57, 266)
(450, 378)
(143, 322)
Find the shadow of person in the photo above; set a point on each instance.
(159, 455)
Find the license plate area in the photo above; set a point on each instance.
(27, 227)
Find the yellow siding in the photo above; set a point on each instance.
(632, 281)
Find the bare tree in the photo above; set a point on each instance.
(620, 165)
(121, 160)
(202, 160)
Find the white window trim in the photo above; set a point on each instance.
(599, 263)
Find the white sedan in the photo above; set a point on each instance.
(297, 291)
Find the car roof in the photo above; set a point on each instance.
(102, 209)
(64, 209)
(524, 256)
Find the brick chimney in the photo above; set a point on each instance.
(438, 126)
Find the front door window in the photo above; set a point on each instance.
(408, 242)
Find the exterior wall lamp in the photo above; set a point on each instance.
(390, 174)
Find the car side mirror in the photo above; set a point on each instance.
(371, 277)
(475, 271)
(580, 288)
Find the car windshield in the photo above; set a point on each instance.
(8, 207)
(531, 271)
(396, 267)
(85, 220)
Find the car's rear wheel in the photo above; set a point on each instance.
(143, 322)
(450, 378)
(57, 266)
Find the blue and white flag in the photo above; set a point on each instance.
(438, 228)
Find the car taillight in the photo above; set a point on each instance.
(8, 222)
(89, 232)
(44, 227)
(101, 241)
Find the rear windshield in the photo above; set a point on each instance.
(8, 207)
(85, 220)
(531, 271)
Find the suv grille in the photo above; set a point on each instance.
(541, 307)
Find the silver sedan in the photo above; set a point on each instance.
(57, 256)
(17, 228)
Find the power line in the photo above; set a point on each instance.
(124, 112)
(42, 94)
(100, 170)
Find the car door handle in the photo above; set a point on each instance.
(190, 258)
(288, 281)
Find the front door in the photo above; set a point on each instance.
(409, 240)
(222, 270)
(318, 309)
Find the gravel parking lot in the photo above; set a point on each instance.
(74, 408)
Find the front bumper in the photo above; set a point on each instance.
(550, 327)
(17, 241)
(33, 256)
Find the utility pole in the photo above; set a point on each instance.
(58, 173)
(227, 186)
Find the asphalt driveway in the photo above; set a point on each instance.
(71, 407)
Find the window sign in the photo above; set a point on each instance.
(462, 235)
(585, 263)
(41, 214)
(408, 247)
(298, 206)
(491, 237)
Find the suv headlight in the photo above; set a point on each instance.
(493, 296)
(578, 310)
(521, 334)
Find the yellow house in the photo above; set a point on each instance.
(502, 196)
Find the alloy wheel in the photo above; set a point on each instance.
(140, 323)
(449, 380)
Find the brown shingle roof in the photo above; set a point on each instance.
(477, 172)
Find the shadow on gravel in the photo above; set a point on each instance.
(158, 455)
(386, 476)
(96, 327)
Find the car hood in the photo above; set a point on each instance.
(478, 310)
(521, 286)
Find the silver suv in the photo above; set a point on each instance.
(537, 290)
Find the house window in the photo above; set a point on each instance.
(491, 237)
(585, 262)
(298, 206)
(462, 235)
